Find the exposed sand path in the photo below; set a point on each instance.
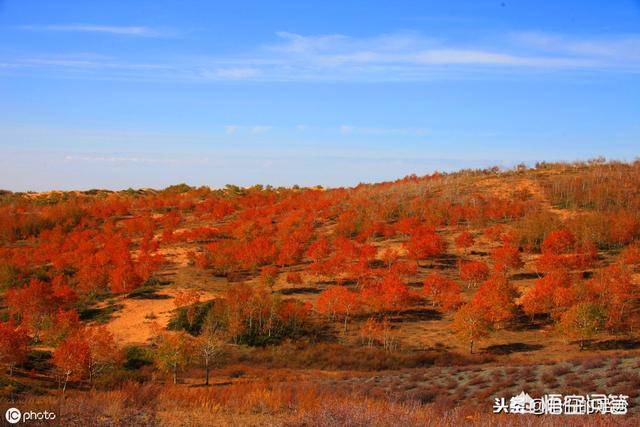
(132, 323)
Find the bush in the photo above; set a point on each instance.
(181, 321)
(137, 357)
(40, 360)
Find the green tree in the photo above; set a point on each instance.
(582, 322)
(175, 352)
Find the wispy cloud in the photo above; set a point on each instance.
(404, 56)
(230, 129)
(139, 31)
(258, 130)
(380, 131)
(231, 73)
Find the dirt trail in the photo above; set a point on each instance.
(500, 188)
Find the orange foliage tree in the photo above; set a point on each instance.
(338, 302)
(14, 345)
(471, 324)
(473, 272)
(443, 292)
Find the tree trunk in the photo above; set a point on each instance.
(175, 374)
(471, 347)
(64, 386)
(206, 370)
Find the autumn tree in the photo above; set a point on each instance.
(549, 294)
(210, 343)
(175, 352)
(337, 302)
(582, 322)
(470, 324)
(464, 241)
(63, 324)
(188, 298)
(14, 345)
(473, 272)
(72, 358)
(615, 292)
(506, 258)
(630, 255)
(424, 243)
(378, 331)
(103, 351)
(294, 278)
(33, 305)
(561, 251)
(391, 294)
(496, 298)
(268, 276)
(445, 293)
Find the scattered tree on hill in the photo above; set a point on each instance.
(582, 322)
(338, 302)
(210, 344)
(175, 352)
(72, 358)
(424, 243)
(496, 298)
(268, 276)
(294, 278)
(188, 298)
(471, 324)
(474, 273)
(103, 351)
(445, 293)
(464, 241)
(506, 259)
(14, 345)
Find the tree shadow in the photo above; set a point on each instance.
(376, 263)
(479, 253)
(616, 344)
(299, 290)
(516, 347)
(526, 276)
(218, 384)
(415, 315)
(525, 322)
(446, 261)
(100, 315)
(152, 296)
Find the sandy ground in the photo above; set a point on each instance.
(132, 323)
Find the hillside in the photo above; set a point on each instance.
(426, 295)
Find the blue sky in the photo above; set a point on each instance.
(111, 94)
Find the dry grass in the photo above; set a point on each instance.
(262, 404)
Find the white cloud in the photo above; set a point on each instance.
(139, 31)
(230, 129)
(231, 73)
(258, 130)
(404, 56)
(378, 131)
